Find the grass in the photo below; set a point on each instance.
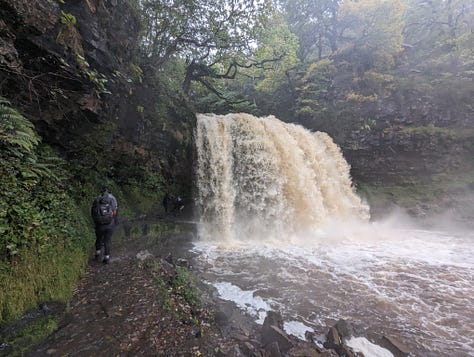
(36, 278)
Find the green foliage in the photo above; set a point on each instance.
(180, 289)
(93, 75)
(185, 285)
(430, 130)
(373, 31)
(316, 90)
(68, 35)
(278, 42)
(368, 124)
(315, 22)
(193, 28)
(68, 18)
(137, 72)
(17, 135)
(213, 38)
(43, 234)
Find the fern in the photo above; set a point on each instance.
(17, 133)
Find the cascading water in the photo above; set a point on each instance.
(262, 177)
(281, 228)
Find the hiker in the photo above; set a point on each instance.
(178, 205)
(104, 213)
(167, 201)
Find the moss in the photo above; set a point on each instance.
(430, 130)
(68, 35)
(34, 278)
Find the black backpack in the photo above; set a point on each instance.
(102, 212)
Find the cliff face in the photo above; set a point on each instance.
(53, 66)
(421, 150)
(70, 69)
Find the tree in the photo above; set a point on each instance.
(276, 41)
(437, 18)
(316, 92)
(371, 32)
(436, 28)
(213, 37)
(317, 25)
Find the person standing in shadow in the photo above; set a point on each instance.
(104, 212)
(167, 201)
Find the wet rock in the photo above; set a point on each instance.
(304, 351)
(272, 331)
(144, 254)
(271, 334)
(310, 336)
(273, 319)
(183, 262)
(344, 328)
(333, 339)
(221, 318)
(396, 347)
(272, 350)
(39, 16)
(240, 337)
(249, 350)
(346, 351)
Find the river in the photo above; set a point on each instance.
(414, 285)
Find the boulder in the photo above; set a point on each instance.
(344, 328)
(273, 319)
(396, 347)
(333, 339)
(272, 331)
(272, 334)
(272, 350)
(249, 350)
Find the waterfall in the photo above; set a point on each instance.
(260, 177)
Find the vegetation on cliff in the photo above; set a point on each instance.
(44, 233)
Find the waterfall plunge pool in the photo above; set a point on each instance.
(414, 285)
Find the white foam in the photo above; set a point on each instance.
(361, 344)
(244, 299)
(296, 328)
